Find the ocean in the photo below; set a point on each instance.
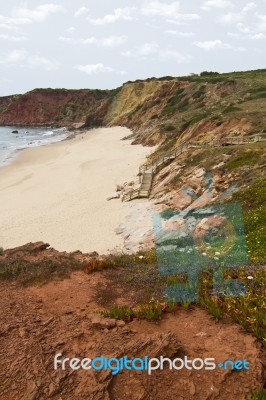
(11, 142)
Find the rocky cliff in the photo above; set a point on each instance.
(49, 107)
(165, 110)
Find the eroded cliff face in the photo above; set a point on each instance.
(158, 111)
(49, 107)
(170, 111)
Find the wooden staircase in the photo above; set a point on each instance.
(148, 170)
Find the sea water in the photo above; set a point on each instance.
(11, 142)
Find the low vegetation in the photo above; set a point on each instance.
(41, 272)
(261, 395)
(151, 311)
(253, 200)
(245, 158)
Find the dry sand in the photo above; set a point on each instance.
(58, 193)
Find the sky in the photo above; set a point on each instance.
(102, 44)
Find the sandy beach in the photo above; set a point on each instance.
(58, 193)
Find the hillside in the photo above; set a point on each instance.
(165, 110)
(191, 108)
(49, 107)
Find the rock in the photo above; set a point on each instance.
(31, 391)
(115, 196)
(181, 200)
(199, 173)
(218, 165)
(120, 323)
(52, 388)
(174, 224)
(14, 131)
(214, 393)
(103, 323)
(192, 389)
(47, 322)
(22, 332)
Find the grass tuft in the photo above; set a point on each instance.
(260, 395)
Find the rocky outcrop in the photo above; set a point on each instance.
(38, 262)
(49, 107)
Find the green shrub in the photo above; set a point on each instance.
(169, 127)
(151, 311)
(253, 200)
(196, 118)
(120, 312)
(199, 93)
(250, 157)
(208, 73)
(212, 305)
(260, 395)
(261, 95)
(230, 109)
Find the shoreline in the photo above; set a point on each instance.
(38, 137)
(57, 193)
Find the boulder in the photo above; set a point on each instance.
(181, 200)
(102, 323)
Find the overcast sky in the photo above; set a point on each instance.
(101, 44)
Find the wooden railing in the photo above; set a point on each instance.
(155, 166)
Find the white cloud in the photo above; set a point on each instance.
(234, 34)
(158, 8)
(111, 41)
(175, 55)
(147, 48)
(181, 34)
(127, 53)
(262, 22)
(25, 59)
(184, 19)
(257, 36)
(216, 45)
(212, 45)
(10, 23)
(154, 8)
(81, 11)
(144, 50)
(250, 36)
(247, 32)
(40, 13)
(23, 16)
(15, 56)
(152, 48)
(217, 4)
(13, 38)
(91, 69)
(232, 18)
(71, 29)
(171, 12)
(242, 28)
(118, 14)
(90, 40)
(94, 68)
